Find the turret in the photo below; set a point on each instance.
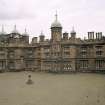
(25, 33)
(56, 30)
(25, 36)
(41, 37)
(73, 33)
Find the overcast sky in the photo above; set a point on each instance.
(37, 15)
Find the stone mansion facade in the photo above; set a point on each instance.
(61, 53)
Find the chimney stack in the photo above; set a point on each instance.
(99, 35)
(65, 36)
(34, 40)
(90, 35)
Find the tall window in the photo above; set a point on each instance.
(84, 64)
(83, 54)
(99, 53)
(99, 64)
(2, 65)
(66, 54)
(11, 54)
(47, 54)
(99, 50)
(66, 48)
(11, 65)
(46, 49)
(99, 47)
(30, 53)
(29, 63)
(2, 55)
(83, 51)
(84, 48)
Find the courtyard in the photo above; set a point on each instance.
(52, 89)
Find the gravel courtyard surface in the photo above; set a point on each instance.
(52, 89)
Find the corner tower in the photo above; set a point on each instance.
(56, 30)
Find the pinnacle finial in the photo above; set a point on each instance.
(73, 31)
(41, 32)
(25, 30)
(72, 28)
(2, 28)
(56, 16)
(15, 30)
(15, 27)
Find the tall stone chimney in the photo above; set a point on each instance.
(34, 40)
(99, 35)
(90, 35)
(65, 36)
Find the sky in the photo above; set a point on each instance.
(37, 16)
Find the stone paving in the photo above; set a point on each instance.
(52, 89)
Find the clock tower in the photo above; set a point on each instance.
(56, 30)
